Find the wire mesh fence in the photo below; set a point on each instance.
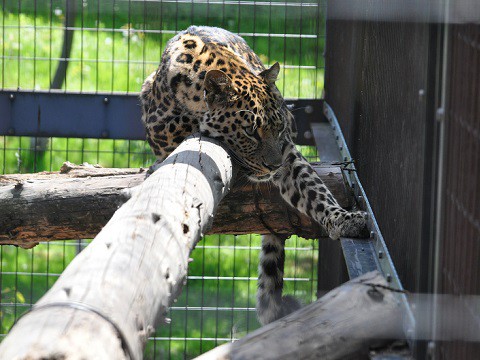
(110, 47)
(216, 306)
(113, 45)
(218, 303)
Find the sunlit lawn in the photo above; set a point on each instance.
(108, 61)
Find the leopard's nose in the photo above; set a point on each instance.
(273, 162)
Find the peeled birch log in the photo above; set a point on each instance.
(77, 202)
(343, 324)
(113, 295)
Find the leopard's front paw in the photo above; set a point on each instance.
(351, 224)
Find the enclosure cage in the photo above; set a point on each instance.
(403, 82)
(95, 55)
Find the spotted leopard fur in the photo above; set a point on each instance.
(209, 80)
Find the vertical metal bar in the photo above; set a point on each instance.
(97, 50)
(1, 284)
(113, 47)
(34, 44)
(19, 159)
(154, 347)
(202, 299)
(113, 152)
(144, 44)
(254, 27)
(50, 41)
(32, 261)
(208, 12)
(176, 16)
(129, 153)
(47, 285)
(192, 13)
(82, 151)
(285, 48)
(16, 286)
(317, 49)
(300, 56)
(3, 47)
(160, 48)
(81, 46)
(34, 143)
(440, 203)
(19, 45)
(4, 168)
(249, 276)
(129, 35)
(295, 265)
(239, 17)
(223, 14)
(170, 336)
(218, 291)
(185, 328)
(313, 282)
(51, 153)
(269, 55)
(233, 287)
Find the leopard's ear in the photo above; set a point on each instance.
(270, 75)
(218, 87)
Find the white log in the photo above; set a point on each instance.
(113, 295)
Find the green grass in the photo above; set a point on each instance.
(118, 61)
(25, 275)
(18, 155)
(108, 61)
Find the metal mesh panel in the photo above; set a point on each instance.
(216, 306)
(459, 271)
(114, 45)
(218, 303)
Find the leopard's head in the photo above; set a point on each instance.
(247, 112)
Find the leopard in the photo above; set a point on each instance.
(210, 81)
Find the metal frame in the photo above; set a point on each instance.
(94, 115)
(116, 116)
(362, 256)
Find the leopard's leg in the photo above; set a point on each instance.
(166, 121)
(303, 189)
(166, 132)
(271, 305)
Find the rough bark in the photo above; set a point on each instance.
(77, 202)
(112, 295)
(343, 324)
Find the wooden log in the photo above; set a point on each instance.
(115, 292)
(77, 202)
(343, 324)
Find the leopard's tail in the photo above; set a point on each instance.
(271, 305)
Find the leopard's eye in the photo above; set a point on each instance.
(282, 133)
(250, 130)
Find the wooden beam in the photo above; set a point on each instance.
(77, 202)
(342, 324)
(117, 291)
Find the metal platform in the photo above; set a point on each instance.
(361, 255)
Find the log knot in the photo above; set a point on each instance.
(374, 294)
